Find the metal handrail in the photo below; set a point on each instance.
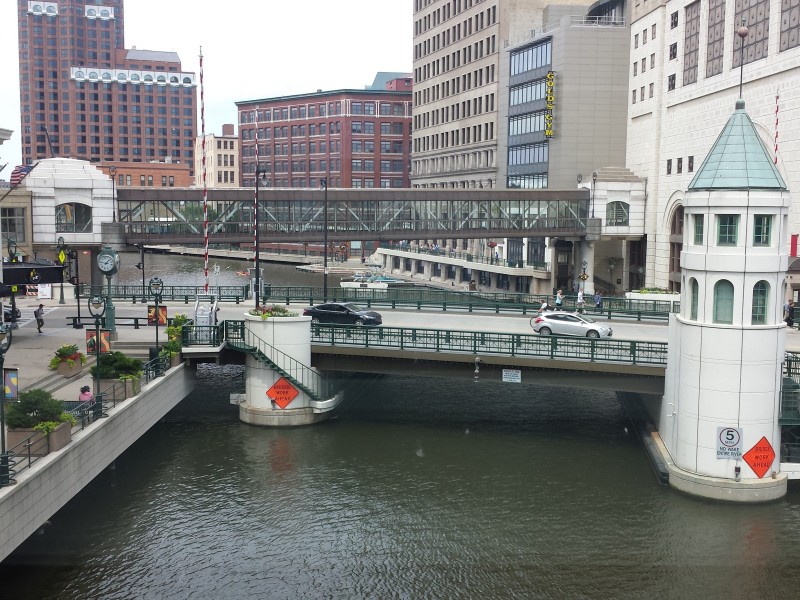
(185, 293)
(306, 377)
(487, 342)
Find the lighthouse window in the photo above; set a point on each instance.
(723, 302)
(727, 226)
(761, 230)
(760, 297)
(699, 222)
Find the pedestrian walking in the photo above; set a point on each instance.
(559, 300)
(579, 302)
(39, 314)
(788, 313)
(598, 301)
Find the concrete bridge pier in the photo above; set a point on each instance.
(282, 390)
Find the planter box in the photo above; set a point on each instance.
(59, 437)
(175, 361)
(114, 388)
(65, 370)
(132, 387)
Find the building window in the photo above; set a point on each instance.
(715, 37)
(695, 290)
(653, 32)
(12, 223)
(635, 68)
(653, 61)
(760, 298)
(690, 165)
(652, 87)
(633, 96)
(723, 302)
(679, 166)
(636, 40)
(73, 218)
(673, 20)
(671, 83)
(727, 226)
(755, 14)
(699, 226)
(617, 213)
(790, 26)
(762, 229)
(673, 51)
(644, 36)
(669, 166)
(691, 43)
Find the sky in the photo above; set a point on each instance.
(251, 50)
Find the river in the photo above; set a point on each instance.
(420, 488)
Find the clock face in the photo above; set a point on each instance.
(106, 263)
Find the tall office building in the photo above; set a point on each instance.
(84, 95)
(457, 46)
(351, 138)
(222, 159)
(684, 77)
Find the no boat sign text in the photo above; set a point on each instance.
(729, 442)
(512, 376)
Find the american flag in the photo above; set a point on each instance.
(19, 173)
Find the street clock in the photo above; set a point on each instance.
(108, 261)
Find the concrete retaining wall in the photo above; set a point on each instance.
(53, 480)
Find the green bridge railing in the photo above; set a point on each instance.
(473, 342)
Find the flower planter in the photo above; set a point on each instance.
(114, 389)
(59, 437)
(65, 370)
(175, 361)
(132, 387)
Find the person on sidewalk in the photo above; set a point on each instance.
(86, 394)
(39, 314)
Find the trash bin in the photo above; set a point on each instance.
(153, 352)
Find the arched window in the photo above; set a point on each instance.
(73, 218)
(617, 213)
(760, 299)
(148, 78)
(723, 302)
(675, 247)
(695, 290)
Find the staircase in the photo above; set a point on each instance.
(304, 377)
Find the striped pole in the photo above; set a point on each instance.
(205, 188)
(777, 96)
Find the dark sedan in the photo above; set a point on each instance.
(8, 314)
(342, 313)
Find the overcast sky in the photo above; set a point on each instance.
(251, 50)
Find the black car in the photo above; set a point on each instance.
(342, 313)
(7, 314)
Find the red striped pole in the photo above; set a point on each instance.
(205, 189)
(776, 127)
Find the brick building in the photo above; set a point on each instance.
(354, 138)
(222, 159)
(84, 95)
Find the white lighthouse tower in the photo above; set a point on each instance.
(719, 415)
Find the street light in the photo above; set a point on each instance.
(594, 181)
(612, 263)
(97, 308)
(12, 250)
(140, 266)
(113, 172)
(5, 344)
(324, 183)
(155, 286)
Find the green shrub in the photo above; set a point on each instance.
(112, 365)
(34, 407)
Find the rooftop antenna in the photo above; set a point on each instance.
(742, 32)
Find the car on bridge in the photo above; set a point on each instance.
(11, 315)
(342, 313)
(567, 323)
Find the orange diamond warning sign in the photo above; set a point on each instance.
(282, 392)
(760, 457)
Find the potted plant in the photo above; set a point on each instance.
(276, 310)
(132, 383)
(41, 418)
(110, 369)
(68, 360)
(171, 350)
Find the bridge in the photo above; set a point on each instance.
(175, 215)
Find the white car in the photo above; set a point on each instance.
(567, 323)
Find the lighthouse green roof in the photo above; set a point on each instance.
(738, 159)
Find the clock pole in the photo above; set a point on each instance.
(108, 263)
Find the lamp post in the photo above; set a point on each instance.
(97, 308)
(140, 266)
(583, 275)
(76, 281)
(12, 250)
(594, 182)
(62, 259)
(5, 344)
(611, 264)
(324, 183)
(155, 286)
(113, 172)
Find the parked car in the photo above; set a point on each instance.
(567, 323)
(342, 313)
(7, 314)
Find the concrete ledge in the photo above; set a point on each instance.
(290, 417)
(716, 488)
